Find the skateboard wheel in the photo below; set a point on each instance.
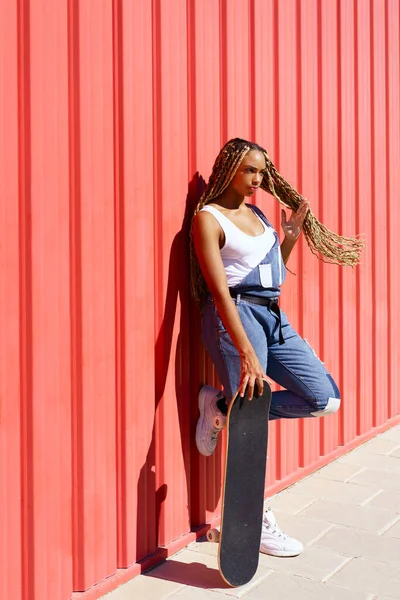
(213, 535)
(219, 423)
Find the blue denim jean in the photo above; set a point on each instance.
(309, 391)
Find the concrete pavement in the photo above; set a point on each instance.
(347, 514)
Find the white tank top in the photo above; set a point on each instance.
(241, 251)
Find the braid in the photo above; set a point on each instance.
(333, 247)
(321, 240)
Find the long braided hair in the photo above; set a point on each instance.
(333, 247)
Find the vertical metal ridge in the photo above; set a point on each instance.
(192, 87)
(192, 197)
(395, 309)
(74, 119)
(276, 93)
(388, 214)
(340, 215)
(277, 148)
(252, 71)
(299, 113)
(11, 403)
(223, 61)
(300, 257)
(357, 205)
(320, 191)
(119, 272)
(25, 306)
(372, 172)
(157, 146)
(158, 238)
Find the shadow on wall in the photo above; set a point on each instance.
(192, 370)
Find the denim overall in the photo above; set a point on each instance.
(267, 277)
(285, 357)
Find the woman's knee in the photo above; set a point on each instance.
(329, 401)
(332, 406)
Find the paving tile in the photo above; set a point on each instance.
(370, 576)
(197, 570)
(289, 503)
(380, 446)
(204, 547)
(386, 500)
(145, 587)
(380, 479)
(242, 591)
(359, 517)
(337, 472)
(191, 593)
(280, 586)
(356, 543)
(392, 434)
(313, 563)
(333, 490)
(393, 531)
(371, 461)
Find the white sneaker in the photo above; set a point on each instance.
(274, 542)
(211, 420)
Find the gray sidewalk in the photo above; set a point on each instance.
(347, 514)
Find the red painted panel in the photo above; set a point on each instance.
(134, 257)
(287, 162)
(347, 220)
(393, 213)
(363, 212)
(11, 568)
(48, 408)
(265, 123)
(380, 336)
(92, 301)
(204, 143)
(171, 269)
(309, 429)
(236, 82)
(329, 208)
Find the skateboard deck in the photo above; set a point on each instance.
(243, 493)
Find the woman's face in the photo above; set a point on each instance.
(249, 175)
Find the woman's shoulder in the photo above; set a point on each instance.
(207, 218)
(215, 212)
(209, 208)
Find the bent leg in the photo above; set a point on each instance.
(310, 389)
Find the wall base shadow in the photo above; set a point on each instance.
(194, 574)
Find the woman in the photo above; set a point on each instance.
(237, 268)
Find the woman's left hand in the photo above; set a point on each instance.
(292, 228)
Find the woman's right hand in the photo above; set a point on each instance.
(252, 374)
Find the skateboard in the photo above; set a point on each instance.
(243, 490)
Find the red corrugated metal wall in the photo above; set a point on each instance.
(111, 114)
